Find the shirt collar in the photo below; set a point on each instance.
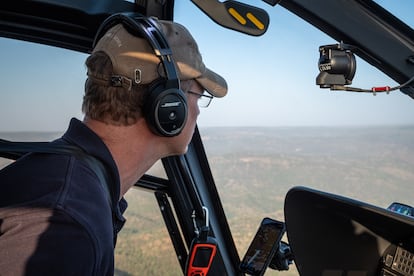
(80, 135)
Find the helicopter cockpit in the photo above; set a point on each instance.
(308, 229)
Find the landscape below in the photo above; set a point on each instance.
(254, 168)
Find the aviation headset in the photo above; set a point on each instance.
(165, 107)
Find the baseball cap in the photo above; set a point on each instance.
(130, 53)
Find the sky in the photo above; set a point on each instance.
(271, 78)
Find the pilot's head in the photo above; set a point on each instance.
(123, 73)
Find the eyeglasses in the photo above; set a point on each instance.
(204, 100)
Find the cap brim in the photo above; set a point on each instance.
(213, 83)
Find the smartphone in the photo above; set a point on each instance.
(262, 248)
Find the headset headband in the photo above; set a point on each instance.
(147, 28)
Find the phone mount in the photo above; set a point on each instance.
(267, 249)
(283, 257)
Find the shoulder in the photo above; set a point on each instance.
(33, 177)
(44, 242)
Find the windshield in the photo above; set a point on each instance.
(277, 129)
(272, 77)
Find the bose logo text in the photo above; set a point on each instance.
(173, 104)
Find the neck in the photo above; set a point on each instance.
(134, 148)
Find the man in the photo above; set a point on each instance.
(56, 217)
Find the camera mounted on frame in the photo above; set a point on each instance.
(337, 65)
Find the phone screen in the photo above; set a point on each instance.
(263, 246)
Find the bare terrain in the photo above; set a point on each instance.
(255, 167)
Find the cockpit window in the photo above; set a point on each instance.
(399, 10)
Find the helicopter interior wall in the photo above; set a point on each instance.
(334, 235)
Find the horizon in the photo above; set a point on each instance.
(372, 126)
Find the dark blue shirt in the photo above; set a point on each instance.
(55, 218)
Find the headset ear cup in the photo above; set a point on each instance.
(166, 111)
